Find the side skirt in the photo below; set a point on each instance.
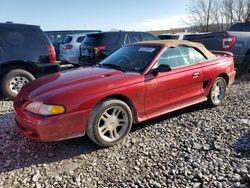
(178, 107)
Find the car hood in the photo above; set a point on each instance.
(72, 83)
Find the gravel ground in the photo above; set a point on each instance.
(194, 147)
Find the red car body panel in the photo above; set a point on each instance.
(177, 86)
(82, 89)
(45, 129)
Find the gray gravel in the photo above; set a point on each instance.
(194, 147)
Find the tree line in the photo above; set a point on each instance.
(216, 15)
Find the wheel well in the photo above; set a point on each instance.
(225, 76)
(128, 102)
(17, 65)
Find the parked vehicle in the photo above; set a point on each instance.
(135, 83)
(97, 46)
(69, 48)
(57, 37)
(178, 36)
(235, 40)
(25, 54)
(172, 36)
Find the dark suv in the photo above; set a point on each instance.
(25, 54)
(97, 46)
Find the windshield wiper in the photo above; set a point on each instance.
(113, 66)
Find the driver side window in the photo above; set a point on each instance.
(180, 56)
(173, 56)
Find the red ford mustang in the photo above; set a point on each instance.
(136, 83)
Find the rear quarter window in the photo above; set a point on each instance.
(14, 38)
(101, 39)
(67, 40)
(147, 36)
(110, 38)
(21, 36)
(80, 39)
(92, 39)
(134, 37)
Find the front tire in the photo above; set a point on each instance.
(218, 92)
(14, 80)
(110, 122)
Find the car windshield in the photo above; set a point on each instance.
(131, 58)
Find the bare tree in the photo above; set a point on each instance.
(208, 11)
(217, 15)
(247, 8)
(200, 13)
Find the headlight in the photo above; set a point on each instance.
(44, 109)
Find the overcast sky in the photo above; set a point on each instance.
(96, 14)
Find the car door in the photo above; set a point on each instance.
(177, 88)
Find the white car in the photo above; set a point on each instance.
(69, 48)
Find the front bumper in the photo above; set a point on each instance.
(52, 128)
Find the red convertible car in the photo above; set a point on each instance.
(135, 83)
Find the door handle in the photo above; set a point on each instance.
(196, 75)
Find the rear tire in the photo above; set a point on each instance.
(218, 92)
(110, 122)
(14, 80)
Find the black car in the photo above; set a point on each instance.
(97, 46)
(25, 54)
(57, 37)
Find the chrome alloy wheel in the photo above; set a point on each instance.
(218, 91)
(17, 83)
(113, 124)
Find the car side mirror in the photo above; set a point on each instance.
(161, 68)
